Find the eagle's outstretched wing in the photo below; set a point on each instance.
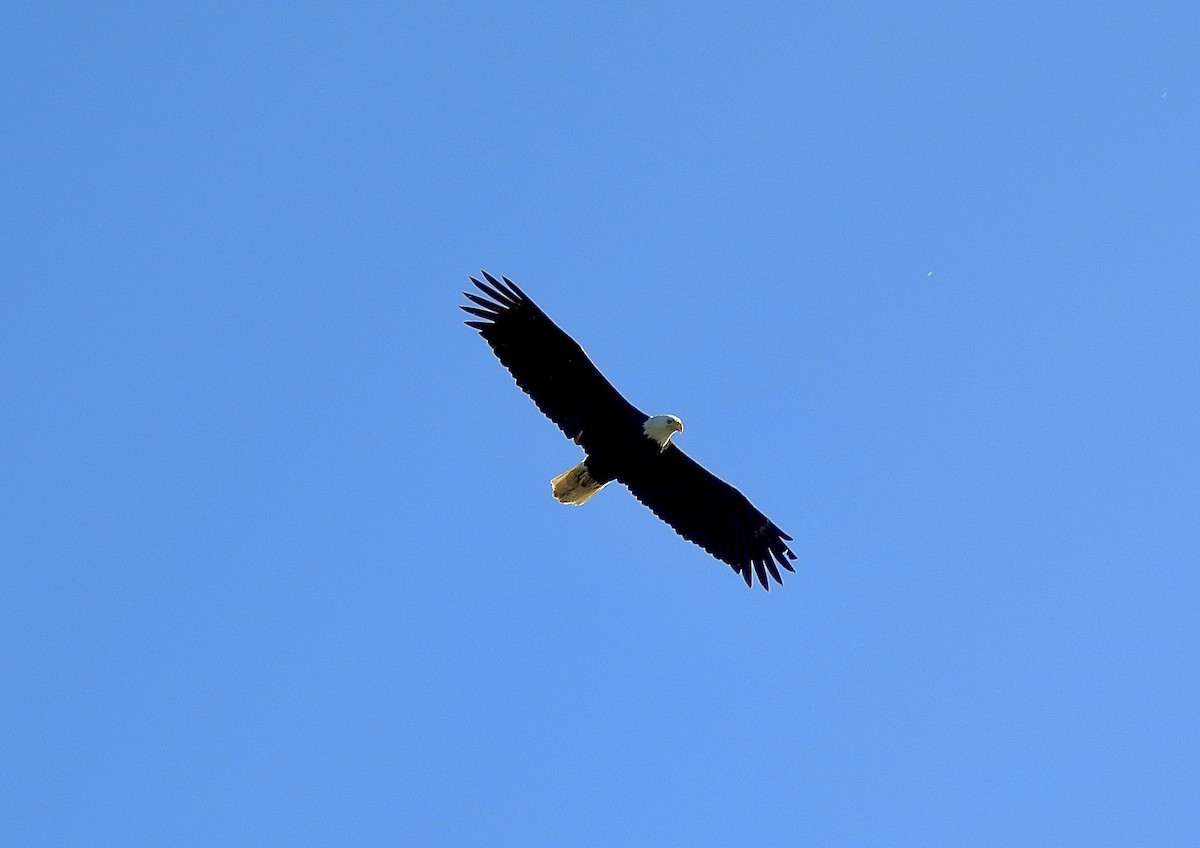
(549, 365)
(704, 509)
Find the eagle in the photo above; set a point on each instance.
(620, 441)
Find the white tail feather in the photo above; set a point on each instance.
(575, 486)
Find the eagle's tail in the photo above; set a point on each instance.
(575, 486)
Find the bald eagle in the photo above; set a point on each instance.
(620, 441)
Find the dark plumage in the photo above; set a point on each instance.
(622, 442)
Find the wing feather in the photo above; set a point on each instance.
(482, 313)
(511, 285)
(481, 301)
(500, 293)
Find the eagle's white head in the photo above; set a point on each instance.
(662, 427)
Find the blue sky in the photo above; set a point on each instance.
(280, 561)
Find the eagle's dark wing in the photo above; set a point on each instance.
(704, 509)
(550, 366)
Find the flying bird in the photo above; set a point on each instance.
(620, 441)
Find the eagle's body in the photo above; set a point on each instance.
(620, 456)
(621, 442)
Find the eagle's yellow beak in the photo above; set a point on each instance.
(679, 426)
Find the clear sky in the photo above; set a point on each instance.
(280, 564)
